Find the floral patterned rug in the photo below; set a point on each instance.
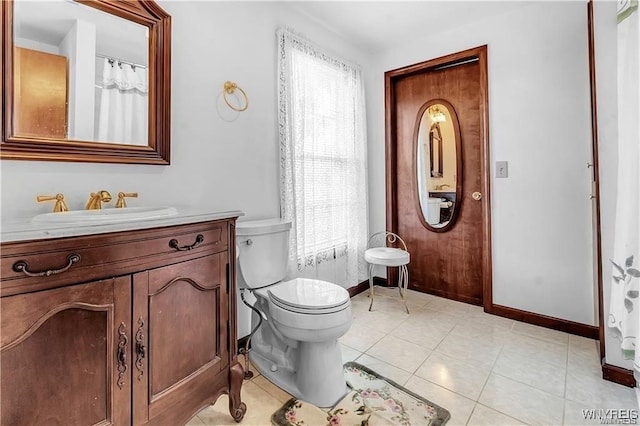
(373, 400)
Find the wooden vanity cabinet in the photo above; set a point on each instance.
(140, 330)
(58, 360)
(183, 305)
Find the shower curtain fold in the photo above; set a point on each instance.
(624, 310)
(124, 101)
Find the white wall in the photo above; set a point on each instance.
(214, 163)
(539, 117)
(79, 46)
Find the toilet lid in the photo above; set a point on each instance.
(310, 296)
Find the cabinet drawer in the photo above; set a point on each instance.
(73, 260)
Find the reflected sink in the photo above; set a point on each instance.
(105, 216)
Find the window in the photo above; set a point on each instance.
(323, 147)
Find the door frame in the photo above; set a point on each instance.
(390, 77)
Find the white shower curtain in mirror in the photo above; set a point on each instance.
(624, 310)
(124, 103)
(322, 132)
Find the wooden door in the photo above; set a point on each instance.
(65, 355)
(181, 324)
(455, 263)
(40, 94)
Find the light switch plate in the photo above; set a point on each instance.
(502, 169)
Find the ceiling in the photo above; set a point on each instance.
(377, 25)
(49, 21)
(372, 26)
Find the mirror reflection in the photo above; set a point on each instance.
(80, 74)
(438, 163)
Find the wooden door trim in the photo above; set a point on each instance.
(618, 375)
(596, 174)
(479, 53)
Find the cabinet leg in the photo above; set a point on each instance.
(237, 408)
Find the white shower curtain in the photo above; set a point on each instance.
(624, 310)
(123, 104)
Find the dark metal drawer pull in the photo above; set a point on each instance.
(174, 243)
(141, 349)
(23, 266)
(122, 354)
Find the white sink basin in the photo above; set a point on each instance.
(105, 216)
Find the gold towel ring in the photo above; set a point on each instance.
(229, 88)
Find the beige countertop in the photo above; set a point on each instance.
(24, 229)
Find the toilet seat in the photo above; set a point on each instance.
(307, 296)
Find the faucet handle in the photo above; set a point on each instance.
(59, 206)
(121, 198)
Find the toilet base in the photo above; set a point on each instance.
(318, 377)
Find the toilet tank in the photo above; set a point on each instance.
(263, 251)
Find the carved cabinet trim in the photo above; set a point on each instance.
(171, 309)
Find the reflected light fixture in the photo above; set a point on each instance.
(437, 115)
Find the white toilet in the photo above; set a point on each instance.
(296, 347)
(433, 210)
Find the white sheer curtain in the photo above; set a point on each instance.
(624, 310)
(124, 104)
(322, 133)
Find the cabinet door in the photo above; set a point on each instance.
(65, 355)
(181, 324)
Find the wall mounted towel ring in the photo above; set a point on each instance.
(230, 88)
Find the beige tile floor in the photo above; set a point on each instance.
(484, 369)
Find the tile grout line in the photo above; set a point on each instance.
(487, 381)
(492, 372)
(473, 410)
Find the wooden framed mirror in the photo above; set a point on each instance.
(86, 80)
(438, 164)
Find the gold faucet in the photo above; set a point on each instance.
(96, 199)
(59, 206)
(121, 203)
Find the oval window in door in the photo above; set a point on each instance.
(438, 164)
